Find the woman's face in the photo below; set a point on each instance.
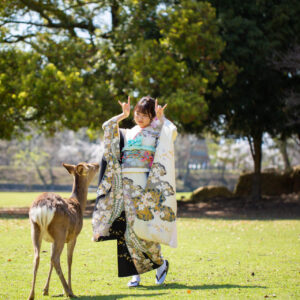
(143, 120)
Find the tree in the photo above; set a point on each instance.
(61, 79)
(32, 155)
(180, 60)
(289, 63)
(42, 95)
(77, 68)
(39, 153)
(254, 32)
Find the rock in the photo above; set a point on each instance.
(207, 193)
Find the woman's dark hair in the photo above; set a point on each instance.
(146, 105)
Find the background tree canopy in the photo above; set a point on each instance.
(257, 33)
(60, 67)
(223, 66)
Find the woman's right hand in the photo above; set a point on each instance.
(126, 107)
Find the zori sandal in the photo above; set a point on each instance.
(134, 282)
(163, 275)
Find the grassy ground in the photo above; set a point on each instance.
(24, 199)
(215, 259)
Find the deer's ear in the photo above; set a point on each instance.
(80, 170)
(70, 168)
(96, 165)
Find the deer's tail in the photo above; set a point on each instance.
(42, 215)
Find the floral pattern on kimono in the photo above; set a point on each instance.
(122, 194)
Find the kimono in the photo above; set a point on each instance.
(136, 201)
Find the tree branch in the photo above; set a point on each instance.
(66, 21)
(24, 22)
(251, 146)
(18, 38)
(289, 61)
(82, 4)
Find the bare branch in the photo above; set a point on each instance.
(66, 21)
(251, 146)
(17, 38)
(24, 22)
(289, 61)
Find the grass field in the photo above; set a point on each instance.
(24, 199)
(215, 259)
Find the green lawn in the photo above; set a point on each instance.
(215, 259)
(24, 199)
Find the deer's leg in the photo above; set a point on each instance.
(55, 260)
(71, 246)
(37, 241)
(46, 288)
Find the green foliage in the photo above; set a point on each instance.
(78, 69)
(179, 64)
(39, 92)
(255, 32)
(15, 107)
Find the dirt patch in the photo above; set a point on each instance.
(270, 207)
(280, 207)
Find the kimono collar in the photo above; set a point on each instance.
(135, 142)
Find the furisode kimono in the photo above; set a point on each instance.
(136, 201)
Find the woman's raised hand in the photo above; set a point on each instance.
(126, 107)
(159, 110)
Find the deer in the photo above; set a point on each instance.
(59, 220)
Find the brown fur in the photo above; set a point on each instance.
(65, 225)
(69, 208)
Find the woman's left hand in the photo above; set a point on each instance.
(159, 110)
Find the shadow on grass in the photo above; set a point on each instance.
(13, 216)
(201, 287)
(115, 296)
(231, 210)
(264, 217)
(166, 287)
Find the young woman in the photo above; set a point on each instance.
(136, 201)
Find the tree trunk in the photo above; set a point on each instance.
(41, 176)
(115, 14)
(186, 176)
(52, 177)
(186, 169)
(255, 147)
(282, 147)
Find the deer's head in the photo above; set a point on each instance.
(83, 170)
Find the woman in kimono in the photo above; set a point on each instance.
(135, 205)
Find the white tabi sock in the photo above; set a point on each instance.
(136, 278)
(135, 281)
(160, 270)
